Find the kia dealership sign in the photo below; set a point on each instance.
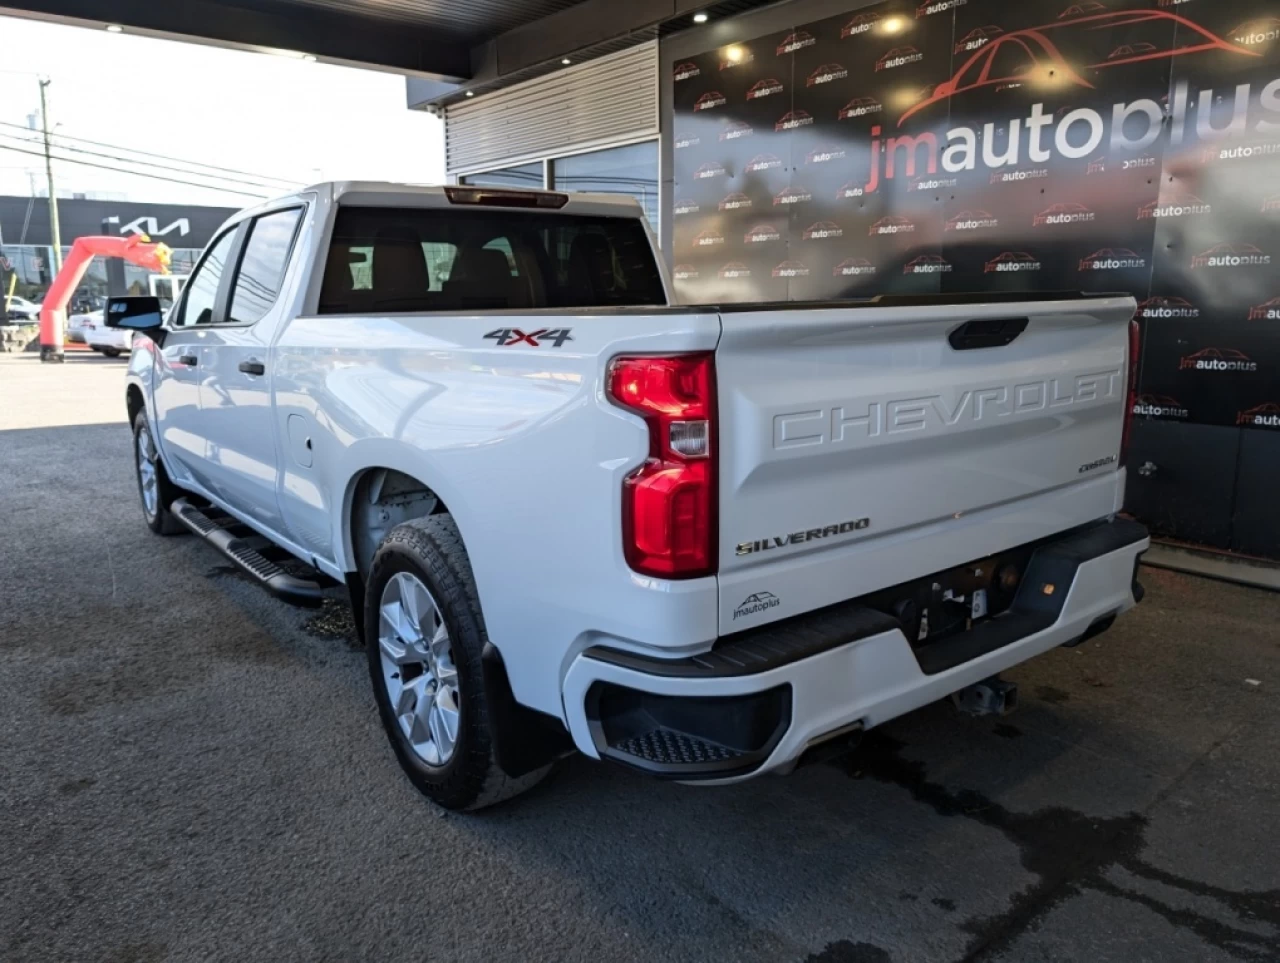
(978, 145)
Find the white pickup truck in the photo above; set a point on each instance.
(700, 541)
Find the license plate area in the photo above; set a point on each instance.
(955, 600)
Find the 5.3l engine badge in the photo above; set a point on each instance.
(797, 538)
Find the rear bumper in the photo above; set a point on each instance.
(759, 699)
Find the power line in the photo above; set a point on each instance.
(178, 160)
(157, 177)
(142, 163)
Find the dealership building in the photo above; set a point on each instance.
(26, 247)
(831, 149)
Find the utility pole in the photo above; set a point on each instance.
(55, 231)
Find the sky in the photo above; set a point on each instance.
(262, 115)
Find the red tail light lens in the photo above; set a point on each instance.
(669, 504)
(1131, 394)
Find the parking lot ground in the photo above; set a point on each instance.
(194, 771)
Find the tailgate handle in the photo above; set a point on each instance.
(993, 333)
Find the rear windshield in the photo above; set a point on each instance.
(392, 259)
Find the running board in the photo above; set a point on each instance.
(239, 543)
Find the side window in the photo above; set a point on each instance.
(266, 254)
(202, 287)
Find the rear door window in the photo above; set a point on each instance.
(385, 260)
(262, 265)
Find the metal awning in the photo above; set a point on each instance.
(445, 47)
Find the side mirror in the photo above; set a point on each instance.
(141, 314)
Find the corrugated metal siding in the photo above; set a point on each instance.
(611, 99)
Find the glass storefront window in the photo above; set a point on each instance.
(631, 170)
(33, 265)
(526, 175)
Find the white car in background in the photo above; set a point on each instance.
(22, 311)
(112, 342)
(78, 323)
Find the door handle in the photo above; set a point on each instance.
(253, 367)
(189, 360)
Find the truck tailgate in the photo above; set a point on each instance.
(868, 444)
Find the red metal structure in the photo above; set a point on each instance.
(136, 249)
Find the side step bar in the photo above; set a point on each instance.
(237, 541)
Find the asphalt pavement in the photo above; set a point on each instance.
(191, 770)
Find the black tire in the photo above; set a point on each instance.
(431, 549)
(161, 521)
(111, 352)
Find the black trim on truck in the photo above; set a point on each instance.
(1053, 562)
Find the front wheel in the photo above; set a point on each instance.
(154, 487)
(111, 352)
(425, 635)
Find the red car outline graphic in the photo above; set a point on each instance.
(1133, 51)
(842, 270)
(798, 118)
(736, 199)
(830, 71)
(1010, 257)
(1044, 53)
(1109, 253)
(937, 260)
(768, 85)
(798, 269)
(709, 170)
(1212, 354)
(684, 272)
(707, 239)
(798, 39)
(1225, 249)
(763, 162)
(739, 270)
(849, 190)
(762, 234)
(828, 154)
(1154, 302)
(1159, 401)
(832, 229)
(744, 57)
(978, 35)
(1082, 9)
(896, 52)
(1259, 312)
(735, 130)
(872, 106)
(1266, 408)
(1063, 207)
(864, 20)
(892, 220)
(1181, 200)
(1257, 24)
(709, 101)
(685, 71)
(783, 196)
(978, 215)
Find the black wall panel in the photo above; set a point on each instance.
(1257, 515)
(1190, 491)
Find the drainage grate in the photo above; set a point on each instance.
(668, 747)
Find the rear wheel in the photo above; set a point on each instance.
(111, 352)
(154, 487)
(425, 635)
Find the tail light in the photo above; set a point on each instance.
(1131, 394)
(669, 525)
